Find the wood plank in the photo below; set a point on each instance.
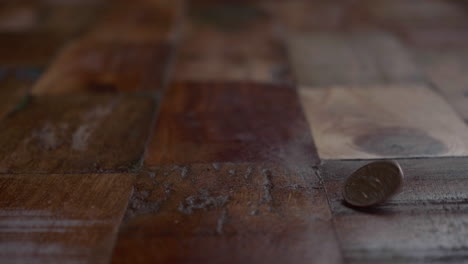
(447, 71)
(88, 65)
(365, 58)
(383, 121)
(61, 218)
(231, 122)
(425, 222)
(214, 46)
(227, 213)
(76, 134)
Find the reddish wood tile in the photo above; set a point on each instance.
(61, 218)
(227, 213)
(75, 134)
(228, 41)
(96, 66)
(142, 21)
(231, 122)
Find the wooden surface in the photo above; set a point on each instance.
(61, 218)
(201, 131)
(404, 121)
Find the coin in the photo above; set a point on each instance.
(373, 183)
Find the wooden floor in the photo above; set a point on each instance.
(166, 131)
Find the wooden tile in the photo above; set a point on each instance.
(228, 41)
(97, 66)
(28, 49)
(425, 222)
(61, 218)
(142, 21)
(383, 121)
(15, 84)
(231, 122)
(364, 58)
(440, 39)
(447, 71)
(322, 15)
(227, 213)
(417, 13)
(75, 134)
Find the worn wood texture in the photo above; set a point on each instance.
(231, 122)
(61, 218)
(447, 71)
(75, 134)
(363, 58)
(103, 66)
(425, 222)
(405, 121)
(227, 213)
(231, 41)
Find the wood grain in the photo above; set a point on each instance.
(383, 121)
(101, 66)
(447, 71)
(75, 134)
(364, 58)
(425, 222)
(227, 213)
(61, 218)
(231, 122)
(228, 41)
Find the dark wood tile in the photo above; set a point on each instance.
(231, 41)
(88, 65)
(28, 49)
(61, 218)
(75, 134)
(231, 122)
(227, 213)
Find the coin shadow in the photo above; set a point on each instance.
(373, 210)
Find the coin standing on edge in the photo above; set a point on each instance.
(373, 183)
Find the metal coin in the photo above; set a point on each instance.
(373, 183)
